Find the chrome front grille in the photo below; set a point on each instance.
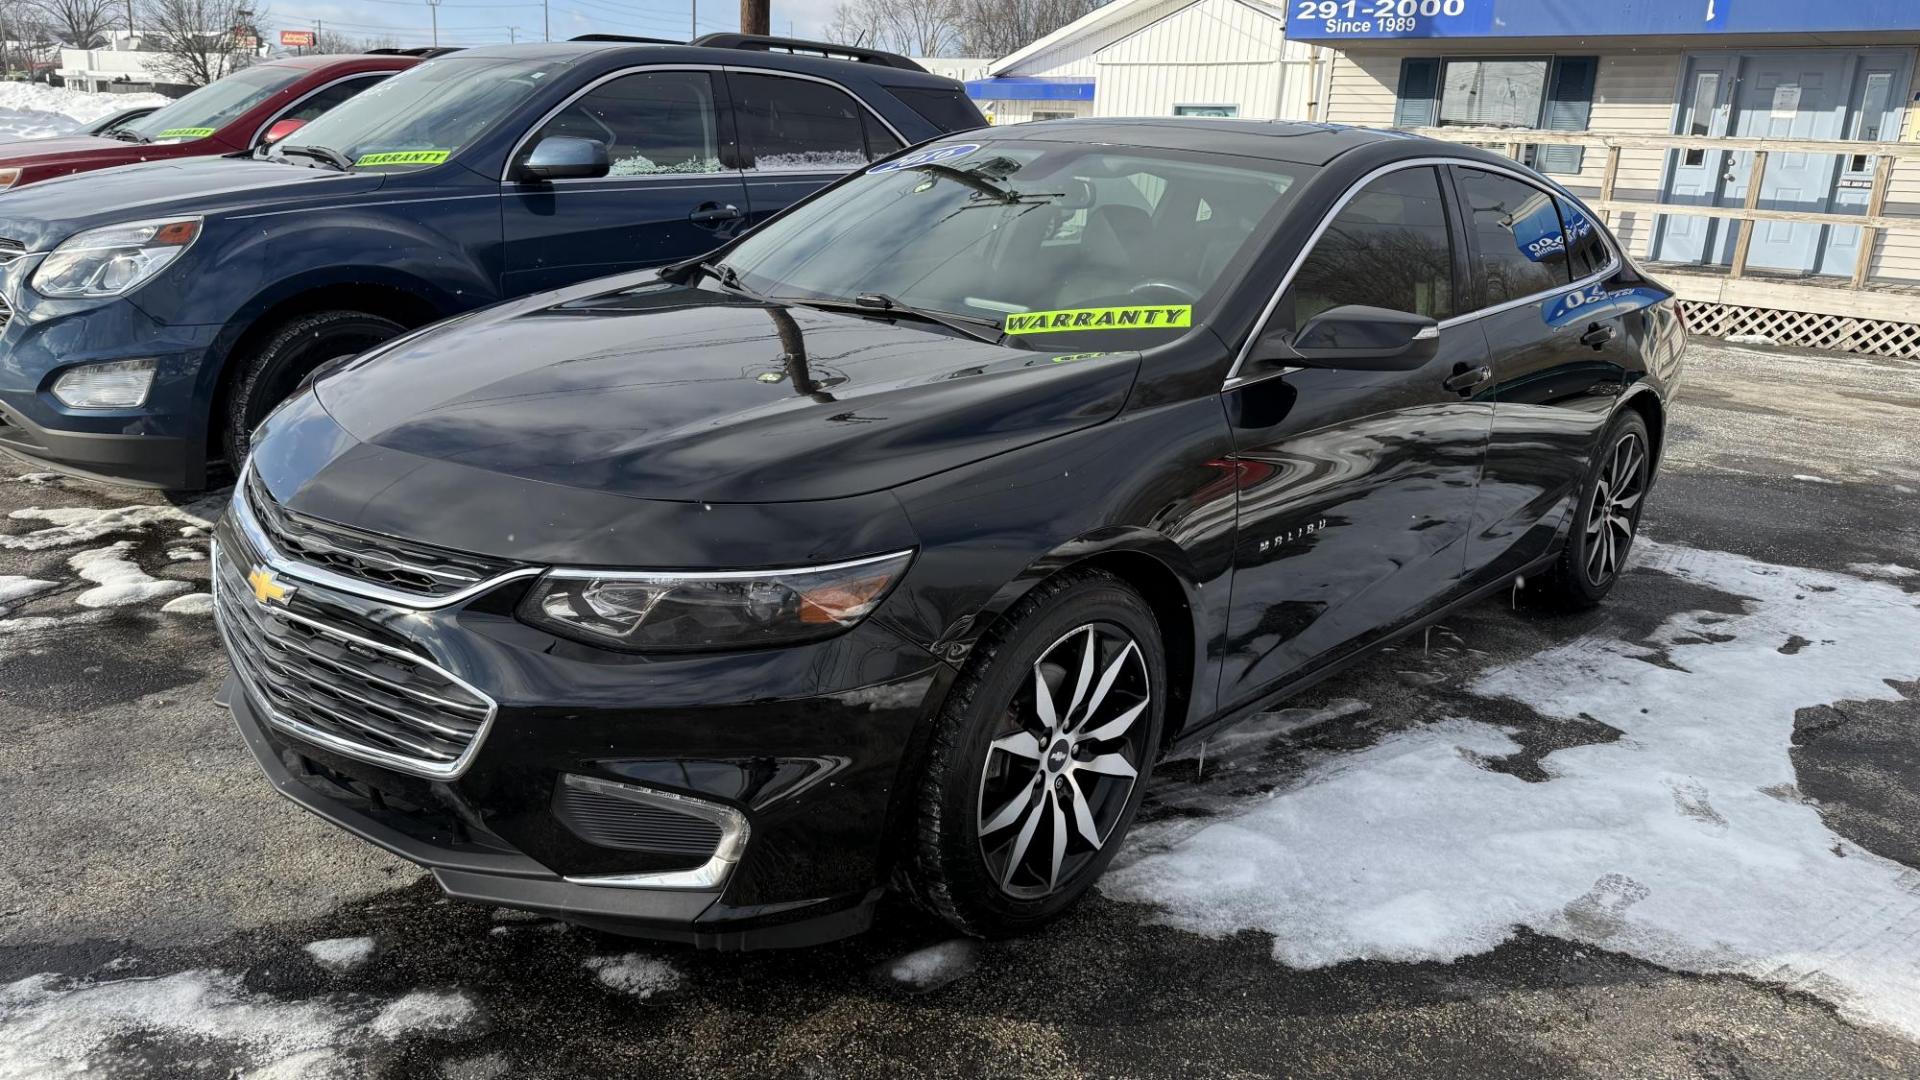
(343, 691)
(6, 313)
(414, 569)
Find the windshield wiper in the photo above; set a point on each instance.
(973, 326)
(985, 186)
(321, 153)
(124, 135)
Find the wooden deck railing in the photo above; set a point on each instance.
(1871, 223)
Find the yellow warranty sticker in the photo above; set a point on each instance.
(1156, 317)
(185, 133)
(405, 157)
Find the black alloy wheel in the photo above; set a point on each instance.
(1607, 518)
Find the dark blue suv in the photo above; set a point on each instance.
(156, 313)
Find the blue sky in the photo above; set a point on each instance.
(481, 22)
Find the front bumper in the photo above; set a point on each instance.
(161, 444)
(808, 747)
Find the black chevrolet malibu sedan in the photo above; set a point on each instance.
(895, 541)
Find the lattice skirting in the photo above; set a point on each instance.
(1875, 337)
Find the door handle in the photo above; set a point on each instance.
(1464, 378)
(714, 214)
(1597, 336)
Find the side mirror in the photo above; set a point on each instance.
(1358, 338)
(283, 128)
(564, 157)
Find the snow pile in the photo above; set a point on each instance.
(1683, 843)
(68, 526)
(31, 110)
(1888, 571)
(52, 1026)
(936, 965)
(341, 954)
(118, 581)
(636, 974)
(14, 589)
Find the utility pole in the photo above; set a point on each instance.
(755, 18)
(433, 6)
(513, 35)
(319, 28)
(546, 19)
(693, 21)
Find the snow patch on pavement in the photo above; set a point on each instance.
(936, 965)
(34, 110)
(14, 589)
(1887, 571)
(118, 580)
(71, 526)
(634, 973)
(191, 604)
(1669, 844)
(341, 954)
(52, 1026)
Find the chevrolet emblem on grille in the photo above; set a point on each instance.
(267, 588)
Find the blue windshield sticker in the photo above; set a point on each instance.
(933, 155)
(1598, 302)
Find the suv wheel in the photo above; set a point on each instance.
(1040, 758)
(267, 376)
(1606, 521)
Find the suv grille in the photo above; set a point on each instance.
(6, 313)
(342, 691)
(377, 560)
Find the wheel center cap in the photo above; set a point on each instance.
(1057, 757)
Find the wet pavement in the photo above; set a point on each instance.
(1679, 836)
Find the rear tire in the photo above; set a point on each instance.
(1606, 520)
(1027, 794)
(269, 374)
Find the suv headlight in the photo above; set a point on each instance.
(113, 260)
(673, 611)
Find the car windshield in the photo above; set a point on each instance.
(1080, 241)
(420, 117)
(215, 105)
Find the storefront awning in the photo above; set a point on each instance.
(1031, 88)
(1392, 20)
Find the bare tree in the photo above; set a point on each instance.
(201, 40)
(78, 24)
(988, 28)
(333, 42)
(999, 27)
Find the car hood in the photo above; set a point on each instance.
(43, 214)
(669, 393)
(61, 147)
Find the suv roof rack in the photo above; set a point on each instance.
(422, 53)
(803, 47)
(628, 38)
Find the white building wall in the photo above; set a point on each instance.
(1214, 52)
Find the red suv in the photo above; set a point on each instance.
(259, 104)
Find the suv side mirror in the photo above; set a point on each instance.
(1358, 338)
(564, 157)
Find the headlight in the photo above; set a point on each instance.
(8, 178)
(671, 611)
(113, 260)
(120, 384)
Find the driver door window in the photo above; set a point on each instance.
(654, 123)
(1389, 247)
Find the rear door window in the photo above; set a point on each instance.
(1389, 247)
(1587, 253)
(948, 110)
(798, 125)
(1519, 245)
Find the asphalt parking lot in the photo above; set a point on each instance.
(1678, 837)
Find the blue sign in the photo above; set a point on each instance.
(1361, 20)
(1597, 302)
(932, 155)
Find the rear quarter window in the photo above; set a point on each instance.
(944, 108)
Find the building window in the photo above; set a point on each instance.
(1541, 93)
(1043, 114)
(1206, 110)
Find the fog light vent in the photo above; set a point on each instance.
(614, 816)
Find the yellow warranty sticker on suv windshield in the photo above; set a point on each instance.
(405, 157)
(185, 133)
(1157, 317)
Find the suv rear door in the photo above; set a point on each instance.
(799, 133)
(671, 194)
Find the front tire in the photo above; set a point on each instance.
(270, 373)
(1606, 519)
(1040, 757)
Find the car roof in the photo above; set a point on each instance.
(668, 53)
(368, 61)
(1274, 140)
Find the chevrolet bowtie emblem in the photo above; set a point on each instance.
(267, 588)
